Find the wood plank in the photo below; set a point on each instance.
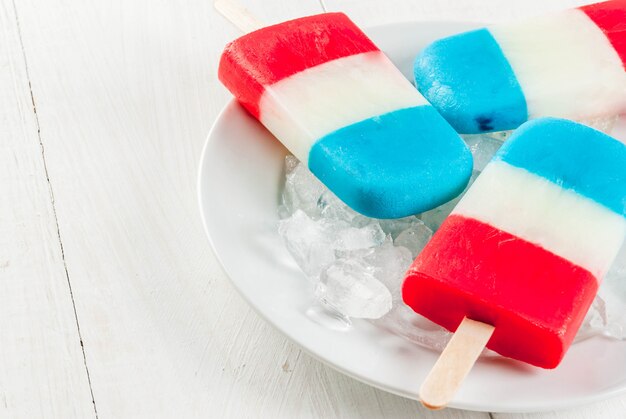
(378, 12)
(42, 371)
(126, 93)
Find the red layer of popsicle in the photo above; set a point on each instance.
(473, 269)
(610, 16)
(268, 55)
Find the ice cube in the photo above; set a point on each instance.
(302, 189)
(350, 287)
(404, 322)
(435, 217)
(389, 264)
(333, 208)
(607, 315)
(354, 238)
(291, 163)
(595, 322)
(309, 242)
(414, 238)
(396, 226)
(483, 147)
(613, 293)
(328, 317)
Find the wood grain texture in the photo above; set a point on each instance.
(125, 93)
(42, 371)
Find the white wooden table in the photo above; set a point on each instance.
(112, 305)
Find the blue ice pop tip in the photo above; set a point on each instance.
(573, 156)
(394, 165)
(468, 79)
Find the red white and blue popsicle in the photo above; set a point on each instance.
(322, 87)
(527, 246)
(569, 64)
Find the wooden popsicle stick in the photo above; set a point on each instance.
(455, 362)
(238, 15)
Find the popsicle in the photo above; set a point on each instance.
(525, 249)
(335, 100)
(568, 64)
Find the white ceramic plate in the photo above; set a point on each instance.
(239, 185)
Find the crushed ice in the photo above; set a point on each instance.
(357, 263)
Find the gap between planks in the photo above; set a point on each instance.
(52, 202)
